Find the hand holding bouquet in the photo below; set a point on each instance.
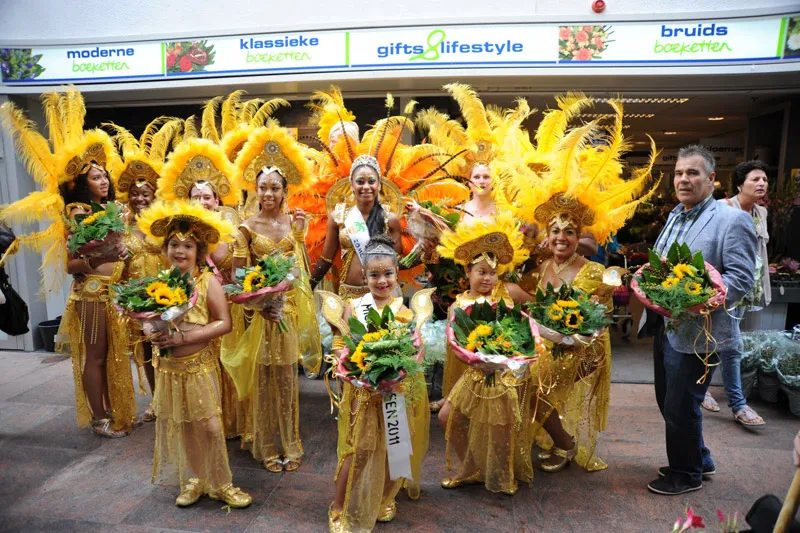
(382, 354)
(158, 303)
(262, 287)
(427, 221)
(567, 315)
(494, 336)
(682, 284)
(98, 234)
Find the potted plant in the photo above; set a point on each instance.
(768, 384)
(751, 357)
(788, 370)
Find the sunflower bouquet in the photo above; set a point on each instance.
(496, 335)
(679, 285)
(380, 355)
(263, 286)
(158, 302)
(568, 314)
(95, 234)
(427, 220)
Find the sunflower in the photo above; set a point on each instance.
(555, 313)
(482, 330)
(682, 270)
(250, 280)
(573, 320)
(154, 287)
(374, 336)
(179, 296)
(91, 218)
(567, 304)
(163, 296)
(358, 356)
(693, 288)
(669, 282)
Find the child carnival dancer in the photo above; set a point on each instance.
(485, 424)
(365, 490)
(190, 449)
(75, 169)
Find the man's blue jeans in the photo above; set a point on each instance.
(732, 379)
(679, 398)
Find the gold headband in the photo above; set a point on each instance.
(95, 155)
(204, 183)
(495, 243)
(563, 210)
(488, 257)
(184, 226)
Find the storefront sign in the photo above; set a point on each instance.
(485, 46)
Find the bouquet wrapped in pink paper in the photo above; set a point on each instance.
(427, 220)
(95, 235)
(263, 286)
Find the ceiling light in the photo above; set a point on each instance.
(640, 142)
(716, 118)
(670, 133)
(644, 100)
(612, 115)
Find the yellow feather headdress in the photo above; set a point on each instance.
(580, 180)
(329, 112)
(274, 147)
(69, 152)
(162, 220)
(500, 242)
(143, 158)
(196, 160)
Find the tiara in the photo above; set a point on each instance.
(381, 249)
(365, 161)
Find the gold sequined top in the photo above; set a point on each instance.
(339, 214)
(199, 314)
(261, 245)
(500, 292)
(589, 279)
(144, 257)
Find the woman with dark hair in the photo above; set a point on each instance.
(749, 180)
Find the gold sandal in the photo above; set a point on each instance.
(566, 455)
(190, 493)
(290, 465)
(388, 513)
(334, 520)
(102, 427)
(149, 414)
(274, 465)
(454, 483)
(233, 496)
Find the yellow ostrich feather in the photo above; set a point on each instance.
(51, 103)
(163, 138)
(208, 127)
(328, 109)
(79, 146)
(32, 148)
(468, 241)
(449, 191)
(223, 174)
(555, 122)
(472, 110)
(230, 111)
(266, 110)
(211, 226)
(274, 146)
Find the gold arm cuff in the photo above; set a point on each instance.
(338, 343)
(241, 250)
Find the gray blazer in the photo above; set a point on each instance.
(728, 241)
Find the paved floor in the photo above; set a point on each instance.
(54, 477)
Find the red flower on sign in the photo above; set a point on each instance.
(171, 59)
(584, 54)
(582, 37)
(198, 57)
(564, 32)
(186, 63)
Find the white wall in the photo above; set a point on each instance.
(64, 21)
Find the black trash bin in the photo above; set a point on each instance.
(47, 333)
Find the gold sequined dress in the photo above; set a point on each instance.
(339, 215)
(578, 381)
(486, 431)
(362, 438)
(190, 439)
(81, 324)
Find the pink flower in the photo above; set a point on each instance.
(598, 42)
(693, 520)
(584, 54)
(582, 37)
(564, 32)
(773, 270)
(790, 263)
(587, 28)
(720, 516)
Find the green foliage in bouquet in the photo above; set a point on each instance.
(97, 226)
(269, 271)
(169, 288)
(568, 311)
(381, 350)
(450, 216)
(677, 283)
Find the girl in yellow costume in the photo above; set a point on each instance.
(143, 160)
(485, 425)
(198, 169)
(578, 187)
(91, 332)
(364, 491)
(274, 165)
(190, 449)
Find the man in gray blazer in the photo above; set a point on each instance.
(727, 240)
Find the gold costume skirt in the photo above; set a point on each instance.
(454, 368)
(237, 415)
(576, 383)
(487, 430)
(362, 438)
(86, 312)
(190, 440)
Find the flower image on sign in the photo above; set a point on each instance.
(188, 56)
(583, 43)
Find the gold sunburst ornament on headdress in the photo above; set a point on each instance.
(499, 242)
(70, 152)
(186, 219)
(269, 148)
(198, 160)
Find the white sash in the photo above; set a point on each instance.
(395, 418)
(358, 231)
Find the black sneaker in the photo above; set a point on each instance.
(707, 472)
(671, 486)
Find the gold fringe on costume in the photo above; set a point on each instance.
(86, 307)
(190, 442)
(362, 440)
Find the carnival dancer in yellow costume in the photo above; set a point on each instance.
(274, 165)
(143, 160)
(198, 169)
(578, 186)
(74, 170)
(485, 425)
(365, 492)
(190, 450)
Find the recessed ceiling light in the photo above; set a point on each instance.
(644, 100)
(716, 118)
(612, 115)
(640, 142)
(670, 133)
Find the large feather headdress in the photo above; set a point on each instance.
(68, 152)
(161, 220)
(498, 241)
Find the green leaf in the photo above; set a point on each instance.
(673, 255)
(350, 344)
(356, 327)
(685, 253)
(374, 319)
(654, 260)
(698, 262)
(460, 334)
(387, 316)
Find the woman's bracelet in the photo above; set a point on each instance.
(338, 343)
